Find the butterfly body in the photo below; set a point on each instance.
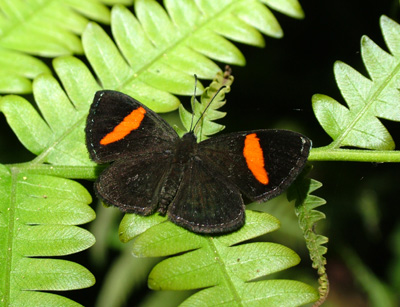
(182, 153)
(200, 186)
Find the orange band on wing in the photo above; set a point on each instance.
(253, 154)
(129, 123)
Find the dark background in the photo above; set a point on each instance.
(274, 90)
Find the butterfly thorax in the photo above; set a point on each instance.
(186, 148)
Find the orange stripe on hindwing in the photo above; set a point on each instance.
(129, 123)
(254, 156)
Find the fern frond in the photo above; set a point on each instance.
(205, 110)
(149, 71)
(148, 64)
(38, 215)
(159, 51)
(289, 7)
(368, 99)
(45, 28)
(17, 70)
(38, 212)
(58, 137)
(219, 264)
(308, 217)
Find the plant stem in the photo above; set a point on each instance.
(357, 155)
(66, 171)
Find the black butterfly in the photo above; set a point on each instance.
(199, 185)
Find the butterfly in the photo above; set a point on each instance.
(200, 186)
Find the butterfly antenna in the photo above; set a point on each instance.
(212, 99)
(193, 101)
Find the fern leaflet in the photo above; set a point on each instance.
(358, 125)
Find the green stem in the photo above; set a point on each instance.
(66, 171)
(358, 155)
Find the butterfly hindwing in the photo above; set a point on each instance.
(205, 202)
(135, 185)
(119, 126)
(261, 163)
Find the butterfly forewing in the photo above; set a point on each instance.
(118, 126)
(282, 155)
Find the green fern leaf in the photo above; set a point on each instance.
(164, 51)
(38, 215)
(16, 71)
(308, 217)
(158, 52)
(289, 7)
(149, 80)
(357, 124)
(54, 130)
(219, 263)
(45, 28)
(58, 137)
(204, 111)
(39, 211)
